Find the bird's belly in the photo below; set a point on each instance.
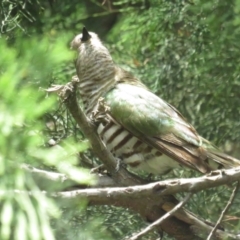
(157, 165)
(136, 154)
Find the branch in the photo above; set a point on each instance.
(48, 180)
(143, 206)
(163, 218)
(147, 190)
(138, 197)
(230, 201)
(211, 180)
(161, 188)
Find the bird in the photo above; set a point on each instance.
(142, 130)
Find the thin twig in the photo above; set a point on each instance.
(163, 218)
(224, 211)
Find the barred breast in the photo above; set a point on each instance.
(136, 154)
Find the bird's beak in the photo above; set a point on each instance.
(85, 35)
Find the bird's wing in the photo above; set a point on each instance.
(160, 125)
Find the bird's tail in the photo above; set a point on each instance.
(217, 158)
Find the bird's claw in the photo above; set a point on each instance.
(120, 164)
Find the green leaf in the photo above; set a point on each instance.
(6, 219)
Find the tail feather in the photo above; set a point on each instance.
(223, 160)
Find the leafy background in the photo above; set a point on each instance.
(187, 52)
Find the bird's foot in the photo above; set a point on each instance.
(120, 164)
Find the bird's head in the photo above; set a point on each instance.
(86, 40)
(91, 52)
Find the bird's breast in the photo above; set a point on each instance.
(133, 152)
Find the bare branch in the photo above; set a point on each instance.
(163, 218)
(213, 179)
(152, 195)
(52, 176)
(48, 180)
(139, 205)
(230, 201)
(161, 188)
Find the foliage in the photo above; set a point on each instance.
(23, 105)
(187, 52)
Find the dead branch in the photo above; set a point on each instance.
(138, 197)
(163, 218)
(148, 207)
(161, 188)
(230, 201)
(48, 180)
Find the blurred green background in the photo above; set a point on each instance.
(187, 52)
